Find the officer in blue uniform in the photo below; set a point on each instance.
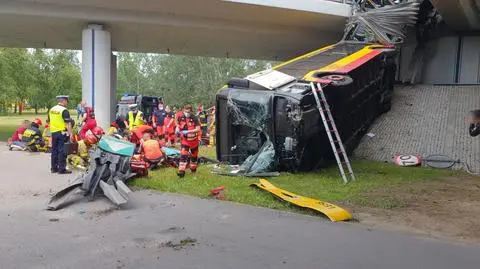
(61, 130)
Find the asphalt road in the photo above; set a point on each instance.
(159, 230)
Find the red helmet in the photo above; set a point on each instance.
(97, 131)
(114, 124)
(46, 125)
(90, 139)
(37, 121)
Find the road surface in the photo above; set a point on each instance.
(149, 232)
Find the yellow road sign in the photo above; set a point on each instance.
(333, 212)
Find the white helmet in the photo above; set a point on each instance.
(133, 107)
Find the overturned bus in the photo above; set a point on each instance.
(269, 121)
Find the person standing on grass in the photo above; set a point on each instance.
(188, 128)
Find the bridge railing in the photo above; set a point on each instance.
(342, 1)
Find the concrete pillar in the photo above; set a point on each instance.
(96, 72)
(113, 86)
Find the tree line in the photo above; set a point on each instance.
(33, 77)
(180, 79)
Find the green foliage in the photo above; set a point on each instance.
(36, 77)
(180, 79)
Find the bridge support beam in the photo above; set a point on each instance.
(97, 69)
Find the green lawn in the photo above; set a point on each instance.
(8, 124)
(325, 185)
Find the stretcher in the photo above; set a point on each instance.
(333, 212)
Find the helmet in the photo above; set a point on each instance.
(90, 139)
(37, 121)
(46, 125)
(114, 124)
(133, 106)
(97, 131)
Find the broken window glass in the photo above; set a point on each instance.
(249, 112)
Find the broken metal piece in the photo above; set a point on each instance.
(106, 174)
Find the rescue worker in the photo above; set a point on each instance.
(151, 150)
(47, 137)
(113, 129)
(89, 122)
(188, 128)
(158, 121)
(80, 160)
(212, 130)
(135, 117)
(178, 113)
(17, 135)
(202, 117)
(137, 133)
(32, 137)
(169, 126)
(61, 129)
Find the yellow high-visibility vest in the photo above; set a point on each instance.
(57, 124)
(135, 122)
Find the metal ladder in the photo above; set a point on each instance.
(329, 123)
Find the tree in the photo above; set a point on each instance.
(19, 70)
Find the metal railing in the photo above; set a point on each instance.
(342, 1)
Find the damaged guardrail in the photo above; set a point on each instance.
(109, 169)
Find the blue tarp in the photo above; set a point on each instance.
(170, 151)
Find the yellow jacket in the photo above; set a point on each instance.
(134, 122)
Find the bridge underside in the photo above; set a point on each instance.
(192, 27)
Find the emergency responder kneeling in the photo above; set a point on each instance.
(32, 137)
(188, 128)
(151, 150)
(135, 117)
(81, 160)
(61, 129)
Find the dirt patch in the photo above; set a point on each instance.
(447, 208)
(181, 244)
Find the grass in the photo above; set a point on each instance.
(324, 185)
(8, 124)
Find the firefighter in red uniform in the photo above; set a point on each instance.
(89, 122)
(188, 128)
(169, 126)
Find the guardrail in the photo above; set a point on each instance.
(342, 1)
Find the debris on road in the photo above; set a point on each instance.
(179, 245)
(218, 193)
(109, 169)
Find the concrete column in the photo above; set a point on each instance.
(96, 72)
(113, 86)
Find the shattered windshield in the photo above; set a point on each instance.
(250, 115)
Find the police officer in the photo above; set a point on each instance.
(61, 129)
(135, 117)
